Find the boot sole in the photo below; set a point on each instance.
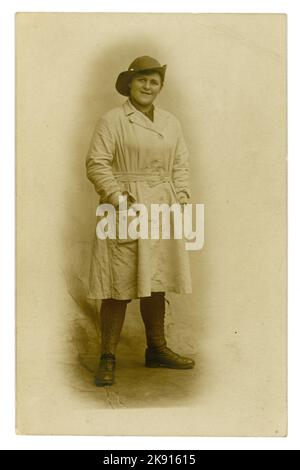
(154, 365)
(103, 384)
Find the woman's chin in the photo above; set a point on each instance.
(145, 100)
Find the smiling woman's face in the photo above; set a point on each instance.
(144, 88)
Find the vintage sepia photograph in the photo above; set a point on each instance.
(151, 153)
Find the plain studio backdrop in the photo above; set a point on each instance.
(226, 82)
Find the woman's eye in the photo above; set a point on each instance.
(152, 82)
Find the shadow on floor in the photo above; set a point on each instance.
(136, 385)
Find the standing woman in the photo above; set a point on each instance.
(138, 152)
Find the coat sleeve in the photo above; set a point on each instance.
(180, 171)
(99, 162)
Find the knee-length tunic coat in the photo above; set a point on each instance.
(149, 160)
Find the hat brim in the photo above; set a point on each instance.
(124, 78)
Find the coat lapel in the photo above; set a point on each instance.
(137, 117)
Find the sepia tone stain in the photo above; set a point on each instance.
(250, 44)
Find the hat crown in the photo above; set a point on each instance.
(143, 63)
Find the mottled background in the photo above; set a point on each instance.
(226, 82)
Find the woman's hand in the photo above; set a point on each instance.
(182, 198)
(115, 200)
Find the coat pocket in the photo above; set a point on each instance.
(123, 232)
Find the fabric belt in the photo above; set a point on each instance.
(151, 178)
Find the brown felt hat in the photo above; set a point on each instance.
(140, 64)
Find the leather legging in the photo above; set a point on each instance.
(112, 316)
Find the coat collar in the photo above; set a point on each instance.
(136, 116)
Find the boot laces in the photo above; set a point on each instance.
(107, 361)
